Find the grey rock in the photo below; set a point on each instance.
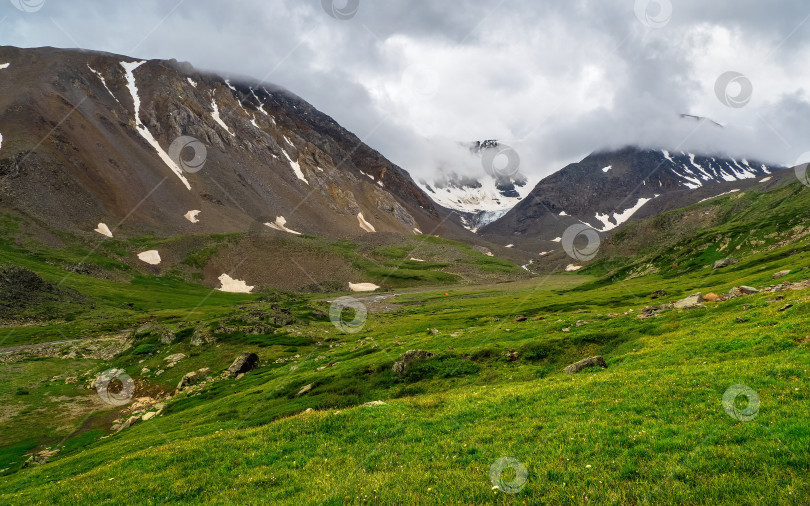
(596, 361)
(187, 380)
(748, 290)
(245, 362)
(304, 390)
(172, 360)
(691, 302)
(408, 358)
(781, 274)
(725, 262)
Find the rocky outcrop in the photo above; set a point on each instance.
(173, 359)
(725, 262)
(408, 358)
(596, 361)
(691, 302)
(244, 363)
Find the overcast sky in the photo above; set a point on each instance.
(555, 79)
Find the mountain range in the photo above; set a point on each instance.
(102, 143)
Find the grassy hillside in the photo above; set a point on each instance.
(652, 428)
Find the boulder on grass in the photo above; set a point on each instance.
(691, 302)
(781, 274)
(596, 361)
(187, 380)
(409, 357)
(245, 362)
(725, 262)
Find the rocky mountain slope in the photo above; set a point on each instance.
(607, 189)
(159, 147)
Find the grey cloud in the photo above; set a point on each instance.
(555, 79)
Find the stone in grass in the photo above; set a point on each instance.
(713, 297)
(781, 274)
(409, 357)
(375, 403)
(748, 290)
(187, 380)
(691, 302)
(172, 360)
(596, 361)
(245, 362)
(785, 308)
(658, 294)
(725, 262)
(304, 390)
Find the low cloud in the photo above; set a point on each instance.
(554, 80)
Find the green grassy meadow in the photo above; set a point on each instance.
(652, 428)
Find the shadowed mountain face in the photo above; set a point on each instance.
(607, 189)
(75, 153)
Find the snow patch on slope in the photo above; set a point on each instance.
(363, 287)
(231, 285)
(279, 225)
(4, 65)
(216, 117)
(129, 68)
(97, 73)
(368, 227)
(720, 195)
(152, 257)
(192, 216)
(103, 229)
(296, 167)
(621, 217)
